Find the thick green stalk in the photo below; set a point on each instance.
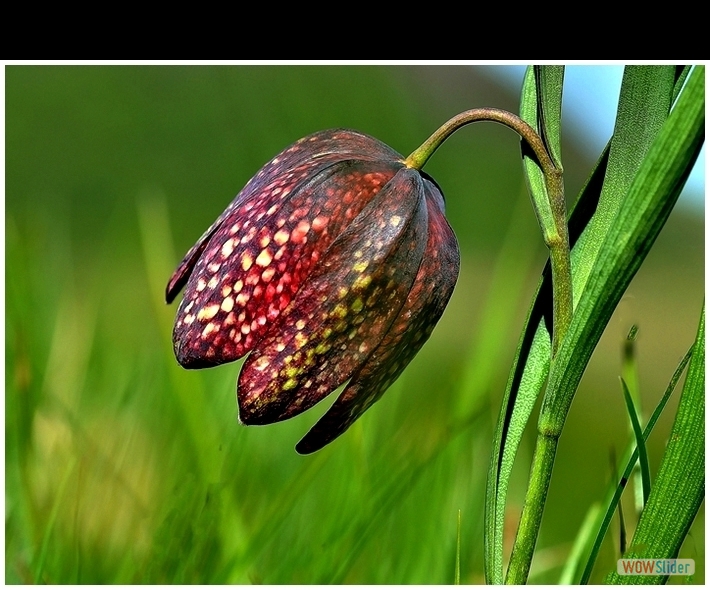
(561, 289)
(525, 539)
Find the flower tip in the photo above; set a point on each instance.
(306, 449)
(170, 292)
(242, 419)
(177, 282)
(247, 418)
(190, 358)
(251, 414)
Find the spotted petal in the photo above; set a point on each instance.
(344, 309)
(272, 184)
(425, 304)
(332, 265)
(248, 266)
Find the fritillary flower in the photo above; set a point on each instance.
(331, 266)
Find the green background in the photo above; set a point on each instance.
(121, 467)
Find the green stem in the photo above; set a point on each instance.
(552, 217)
(555, 235)
(419, 157)
(561, 289)
(529, 527)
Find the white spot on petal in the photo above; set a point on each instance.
(319, 223)
(264, 258)
(208, 312)
(227, 304)
(227, 248)
(299, 233)
(261, 363)
(209, 328)
(281, 237)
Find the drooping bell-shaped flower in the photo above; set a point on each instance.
(332, 265)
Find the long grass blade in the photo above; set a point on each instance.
(584, 538)
(613, 496)
(680, 485)
(629, 365)
(629, 373)
(622, 529)
(640, 442)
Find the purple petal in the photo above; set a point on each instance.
(427, 300)
(252, 261)
(304, 158)
(343, 310)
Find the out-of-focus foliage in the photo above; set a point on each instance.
(122, 467)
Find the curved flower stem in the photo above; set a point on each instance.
(552, 217)
(555, 234)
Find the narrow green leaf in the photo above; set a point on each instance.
(549, 80)
(581, 545)
(644, 103)
(533, 175)
(511, 424)
(622, 529)
(642, 215)
(613, 495)
(640, 442)
(533, 354)
(540, 107)
(681, 73)
(680, 485)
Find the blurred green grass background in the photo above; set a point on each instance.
(121, 467)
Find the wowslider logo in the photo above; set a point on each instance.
(655, 567)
